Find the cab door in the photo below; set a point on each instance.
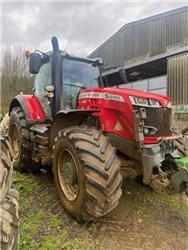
(41, 79)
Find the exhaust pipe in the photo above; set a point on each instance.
(55, 44)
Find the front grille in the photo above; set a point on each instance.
(160, 118)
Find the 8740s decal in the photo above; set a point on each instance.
(99, 95)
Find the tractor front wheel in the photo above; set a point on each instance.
(86, 172)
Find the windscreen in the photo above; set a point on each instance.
(77, 75)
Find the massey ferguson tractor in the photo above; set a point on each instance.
(92, 135)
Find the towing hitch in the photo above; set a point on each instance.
(161, 171)
(165, 183)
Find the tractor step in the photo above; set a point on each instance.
(40, 142)
(40, 128)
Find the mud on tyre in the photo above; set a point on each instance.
(86, 172)
(9, 200)
(20, 140)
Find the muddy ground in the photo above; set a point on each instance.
(143, 220)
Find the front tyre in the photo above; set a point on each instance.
(86, 172)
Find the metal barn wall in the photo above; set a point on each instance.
(145, 38)
(177, 79)
(177, 89)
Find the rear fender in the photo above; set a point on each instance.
(31, 106)
(65, 119)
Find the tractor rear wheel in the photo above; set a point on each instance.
(86, 172)
(20, 140)
(9, 200)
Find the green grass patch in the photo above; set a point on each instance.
(25, 184)
(183, 162)
(27, 242)
(41, 229)
(55, 222)
(171, 201)
(57, 241)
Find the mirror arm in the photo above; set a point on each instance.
(44, 54)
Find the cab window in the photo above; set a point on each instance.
(78, 75)
(43, 78)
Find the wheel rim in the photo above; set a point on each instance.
(68, 175)
(15, 142)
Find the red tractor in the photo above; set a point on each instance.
(92, 135)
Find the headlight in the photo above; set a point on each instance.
(154, 103)
(138, 101)
(144, 101)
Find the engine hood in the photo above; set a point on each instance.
(117, 108)
(122, 95)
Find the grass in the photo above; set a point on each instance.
(166, 200)
(57, 241)
(171, 201)
(183, 162)
(45, 226)
(42, 228)
(55, 222)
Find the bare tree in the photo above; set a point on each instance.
(15, 77)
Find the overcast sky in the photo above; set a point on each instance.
(81, 26)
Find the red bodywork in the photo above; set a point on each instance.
(33, 107)
(116, 114)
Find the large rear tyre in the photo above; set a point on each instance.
(20, 140)
(86, 172)
(9, 205)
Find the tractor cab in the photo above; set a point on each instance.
(60, 77)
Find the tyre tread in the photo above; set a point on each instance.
(101, 167)
(26, 159)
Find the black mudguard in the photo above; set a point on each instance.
(68, 118)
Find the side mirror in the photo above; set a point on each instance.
(34, 63)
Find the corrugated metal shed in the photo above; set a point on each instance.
(146, 39)
(177, 79)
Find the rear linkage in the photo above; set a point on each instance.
(160, 169)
